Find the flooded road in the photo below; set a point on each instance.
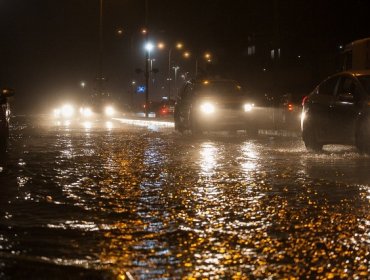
(105, 200)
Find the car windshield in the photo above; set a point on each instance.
(365, 81)
(219, 88)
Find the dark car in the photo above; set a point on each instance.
(165, 108)
(4, 117)
(212, 105)
(338, 112)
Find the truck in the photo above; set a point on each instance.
(356, 55)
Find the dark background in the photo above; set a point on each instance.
(48, 47)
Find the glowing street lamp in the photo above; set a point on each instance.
(149, 47)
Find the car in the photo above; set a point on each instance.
(166, 108)
(214, 104)
(289, 109)
(338, 112)
(4, 117)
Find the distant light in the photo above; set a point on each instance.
(299, 56)
(67, 111)
(248, 107)
(109, 111)
(207, 56)
(119, 31)
(264, 69)
(207, 108)
(186, 54)
(83, 84)
(149, 47)
(340, 47)
(144, 31)
(179, 45)
(161, 46)
(133, 82)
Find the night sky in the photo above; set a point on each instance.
(49, 46)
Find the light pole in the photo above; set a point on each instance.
(178, 46)
(100, 74)
(148, 48)
(176, 68)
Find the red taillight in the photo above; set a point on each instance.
(304, 100)
(290, 107)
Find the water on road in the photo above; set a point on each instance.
(104, 200)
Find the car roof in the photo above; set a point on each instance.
(365, 72)
(203, 81)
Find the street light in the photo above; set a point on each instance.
(178, 46)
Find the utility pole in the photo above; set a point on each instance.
(101, 46)
(146, 60)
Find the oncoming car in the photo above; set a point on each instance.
(212, 105)
(70, 111)
(338, 112)
(4, 117)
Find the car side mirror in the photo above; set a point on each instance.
(346, 97)
(7, 92)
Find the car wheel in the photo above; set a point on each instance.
(309, 136)
(363, 137)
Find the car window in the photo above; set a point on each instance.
(365, 82)
(328, 87)
(218, 88)
(348, 85)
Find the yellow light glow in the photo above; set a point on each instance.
(207, 108)
(161, 46)
(248, 107)
(186, 54)
(67, 111)
(179, 45)
(109, 111)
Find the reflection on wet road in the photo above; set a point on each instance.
(113, 201)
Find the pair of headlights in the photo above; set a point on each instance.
(68, 111)
(210, 108)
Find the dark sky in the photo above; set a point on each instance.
(49, 46)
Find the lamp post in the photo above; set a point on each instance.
(148, 47)
(178, 46)
(100, 74)
(176, 68)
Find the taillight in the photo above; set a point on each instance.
(304, 100)
(290, 107)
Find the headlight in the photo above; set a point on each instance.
(207, 108)
(86, 112)
(67, 111)
(109, 111)
(248, 107)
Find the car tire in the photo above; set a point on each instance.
(363, 136)
(309, 136)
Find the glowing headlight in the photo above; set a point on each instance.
(248, 107)
(67, 111)
(207, 108)
(109, 111)
(86, 112)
